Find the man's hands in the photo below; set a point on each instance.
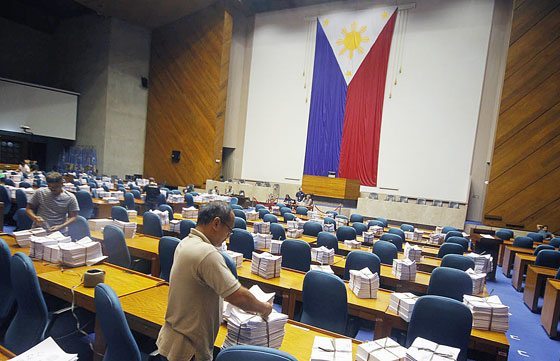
(55, 228)
(267, 309)
(39, 220)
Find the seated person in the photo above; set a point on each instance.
(300, 195)
(308, 202)
(288, 199)
(229, 190)
(543, 229)
(152, 194)
(215, 191)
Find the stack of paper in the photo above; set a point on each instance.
(402, 304)
(275, 210)
(132, 213)
(84, 188)
(275, 246)
(384, 349)
(364, 283)
(189, 213)
(250, 329)
(46, 350)
(80, 253)
(313, 215)
(262, 241)
(101, 193)
(237, 258)
(377, 230)
(252, 215)
(422, 349)
(294, 233)
(369, 237)
(413, 253)
(341, 222)
(317, 220)
(418, 235)
(266, 265)
(323, 268)
(128, 228)
(439, 229)
(477, 281)
(328, 227)
(175, 225)
(292, 224)
(352, 244)
(261, 227)
(488, 313)
(38, 244)
(111, 200)
(117, 194)
(483, 263)
(404, 269)
(300, 223)
(163, 216)
(259, 295)
(175, 198)
(322, 255)
(99, 223)
(409, 235)
(436, 238)
(23, 238)
(331, 349)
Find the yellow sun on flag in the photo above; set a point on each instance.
(352, 40)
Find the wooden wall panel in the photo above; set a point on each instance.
(523, 188)
(187, 97)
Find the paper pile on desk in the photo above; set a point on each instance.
(418, 235)
(111, 200)
(317, 220)
(300, 223)
(292, 224)
(313, 215)
(237, 258)
(328, 227)
(175, 198)
(84, 188)
(261, 227)
(275, 210)
(412, 252)
(377, 230)
(252, 215)
(384, 349)
(352, 244)
(23, 238)
(190, 212)
(402, 304)
(477, 280)
(101, 193)
(436, 238)
(275, 246)
(262, 241)
(341, 222)
(117, 194)
(404, 269)
(439, 229)
(422, 350)
(128, 228)
(323, 268)
(132, 213)
(369, 237)
(483, 263)
(38, 244)
(266, 265)
(163, 216)
(364, 283)
(80, 253)
(331, 349)
(175, 225)
(294, 233)
(46, 350)
(97, 224)
(408, 235)
(488, 313)
(249, 329)
(322, 255)
(259, 295)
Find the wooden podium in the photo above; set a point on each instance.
(340, 188)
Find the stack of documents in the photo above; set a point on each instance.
(323, 268)
(341, 222)
(128, 228)
(117, 194)
(418, 235)
(275, 246)
(292, 225)
(132, 213)
(313, 215)
(483, 263)
(328, 227)
(80, 253)
(369, 237)
(84, 188)
(377, 230)
(190, 212)
(261, 227)
(422, 349)
(111, 200)
(275, 210)
(252, 215)
(352, 244)
(262, 241)
(322, 255)
(436, 238)
(237, 258)
(266, 265)
(175, 225)
(404, 269)
(163, 216)
(439, 229)
(175, 198)
(294, 233)
(488, 313)
(384, 349)
(46, 350)
(38, 244)
(259, 295)
(364, 283)
(477, 281)
(101, 193)
(413, 253)
(408, 235)
(402, 304)
(317, 220)
(23, 238)
(250, 329)
(331, 349)
(98, 224)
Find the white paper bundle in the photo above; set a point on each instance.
(266, 265)
(436, 238)
(294, 233)
(163, 216)
(323, 268)
(488, 313)
(317, 220)
(369, 237)
(322, 255)
(477, 280)
(261, 227)
(111, 200)
(408, 235)
(412, 252)
(250, 329)
(256, 291)
(352, 244)
(23, 238)
(175, 225)
(422, 349)
(275, 210)
(46, 350)
(237, 258)
(84, 188)
(128, 228)
(377, 230)
(117, 194)
(38, 244)
(252, 215)
(439, 229)
(384, 349)
(101, 193)
(341, 222)
(98, 224)
(402, 304)
(418, 235)
(292, 224)
(331, 349)
(483, 263)
(328, 227)
(364, 283)
(51, 253)
(275, 246)
(404, 269)
(262, 241)
(300, 223)
(80, 253)
(175, 198)
(142, 182)
(313, 215)
(132, 213)
(190, 212)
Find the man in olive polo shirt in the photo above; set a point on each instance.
(199, 277)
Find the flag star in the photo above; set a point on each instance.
(326, 22)
(384, 15)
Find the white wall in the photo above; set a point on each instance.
(429, 124)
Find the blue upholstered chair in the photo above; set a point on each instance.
(22, 220)
(296, 255)
(355, 217)
(407, 227)
(21, 199)
(242, 241)
(301, 210)
(332, 214)
(280, 205)
(399, 232)
(450, 282)
(152, 225)
(386, 251)
(167, 207)
(329, 220)
(185, 227)
(136, 193)
(453, 234)
(523, 242)
(451, 327)
(542, 247)
(394, 239)
(259, 206)
(357, 260)
(450, 248)
(253, 353)
(240, 223)
(555, 242)
(120, 342)
(457, 261)
(230, 263)
(161, 199)
(166, 251)
(189, 200)
(289, 217)
(129, 201)
(327, 240)
(85, 203)
(262, 212)
(345, 233)
(278, 231)
(9, 182)
(25, 185)
(235, 206)
(359, 227)
(239, 213)
(459, 240)
(233, 201)
(284, 210)
(375, 222)
(270, 218)
(382, 220)
(7, 301)
(79, 229)
(312, 228)
(504, 234)
(449, 229)
(115, 247)
(119, 213)
(548, 258)
(536, 237)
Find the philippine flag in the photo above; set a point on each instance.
(349, 73)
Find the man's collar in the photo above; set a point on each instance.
(201, 235)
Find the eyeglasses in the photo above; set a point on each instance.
(229, 228)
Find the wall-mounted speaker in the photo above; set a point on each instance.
(144, 81)
(175, 156)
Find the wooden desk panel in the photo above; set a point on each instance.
(520, 263)
(509, 253)
(551, 308)
(534, 284)
(5, 354)
(40, 266)
(340, 188)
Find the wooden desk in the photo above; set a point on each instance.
(509, 253)
(520, 263)
(551, 308)
(40, 266)
(5, 354)
(534, 284)
(103, 208)
(340, 188)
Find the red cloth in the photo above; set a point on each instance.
(364, 108)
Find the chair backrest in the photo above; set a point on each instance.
(284, 210)
(161, 199)
(21, 199)
(301, 210)
(259, 206)
(394, 239)
(239, 213)
(450, 282)
(120, 342)
(359, 227)
(166, 251)
(280, 205)
(355, 217)
(241, 241)
(548, 258)
(523, 242)
(450, 248)
(399, 232)
(185, 227)
(278, 231)
(375, 222)
(119, 213)
(341, 216)
(152, 225)
(536, 237)
(22, 220)
(386, 251)
(332, 214)
(555, 242)
(240, 223)
(345, 232)
(557, 274)
(233, 201)
(329, 220)
(459, 240)
(383, 220)
(312, 228)
(288, 216)
(270, 218)
(7, 301)
(451, 327)
(9, 182)
(114, 246)
(136, 193)
(357, 260)
(85, 203)
(262, 212)
(235, 206)
(253, 353)
(453, 234)
(25, 185)
(296, 255)
(328, 240)
(407, 227)
(166, 207)
(448, 229)
(30, 321)
(230, 263)
(129, 201)
(79, 229)
(457, 261)
(324, 302)
(542, 247)
(504, 234)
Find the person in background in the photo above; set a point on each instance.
(152, 194)
(543, 229)
(300, 195)
(53, 208)
(288, 199)
(24, 168)
(199, 279)
(229, 190)
(308, 200)
(215, 191)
